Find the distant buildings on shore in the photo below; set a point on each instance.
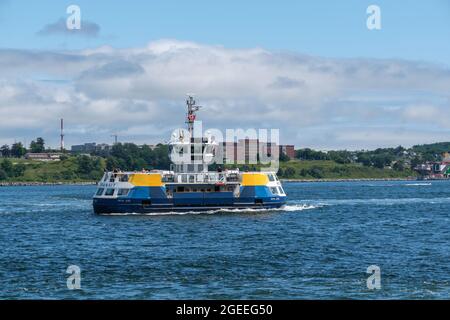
(90, 147)
(94, 147)
(247, 149)
(435, 169)
(242, 150)
(50, 156)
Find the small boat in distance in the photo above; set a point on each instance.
(189, 185)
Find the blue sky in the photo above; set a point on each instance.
(410, 29)
(315, 61)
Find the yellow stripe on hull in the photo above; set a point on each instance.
(146, 180)
(254, 179)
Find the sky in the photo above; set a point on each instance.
(309, 68)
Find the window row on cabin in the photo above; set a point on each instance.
(277, 190)
(181, 189)
(111, 192)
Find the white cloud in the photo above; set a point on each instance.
(139, 93)
(88, 29)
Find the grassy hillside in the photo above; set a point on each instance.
(327, 169)
(381, 163)
(68, 170)
(433, 148)
(79, 169)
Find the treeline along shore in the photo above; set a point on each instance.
(31, 183)
(307, 165)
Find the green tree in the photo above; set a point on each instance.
(85, 164)
(415, 162)
(381, 160)
(399, 166)
(68, 174)
(112, 164)
(17, 150)
(341, 157)
(89, 167)
(309, 154)
(7, 166)
(364, 159)
(284, 157)
(19, 169)
(37, 146)
(289, 172)
(3, 175)
(280, 172)
(316, 172)
(5, 151)
(303, 172)
(399, 150)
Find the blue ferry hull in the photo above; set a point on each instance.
(110, 206)
(178, 197)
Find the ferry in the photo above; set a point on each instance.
(188, 185)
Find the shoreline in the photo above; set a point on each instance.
(36, 183)
(351, 179)
(61, 183)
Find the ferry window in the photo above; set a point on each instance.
(100, 191)
(124, 178)
(180, 189)
(216, 188)
(280, 190)
(109, 192)
(271, 178)
(208, 190)
(274, 190)
(123, 192)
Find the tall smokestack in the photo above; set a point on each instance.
(62, 135)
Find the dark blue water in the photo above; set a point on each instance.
(319, 247)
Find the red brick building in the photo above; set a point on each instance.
(247, 150)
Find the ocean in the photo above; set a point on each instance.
(318, 247)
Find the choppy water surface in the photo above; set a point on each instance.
(319, 246)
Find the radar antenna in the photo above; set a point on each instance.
(190, 117)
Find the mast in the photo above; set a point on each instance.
(200, 149)
(62, 136)
(190, 116)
